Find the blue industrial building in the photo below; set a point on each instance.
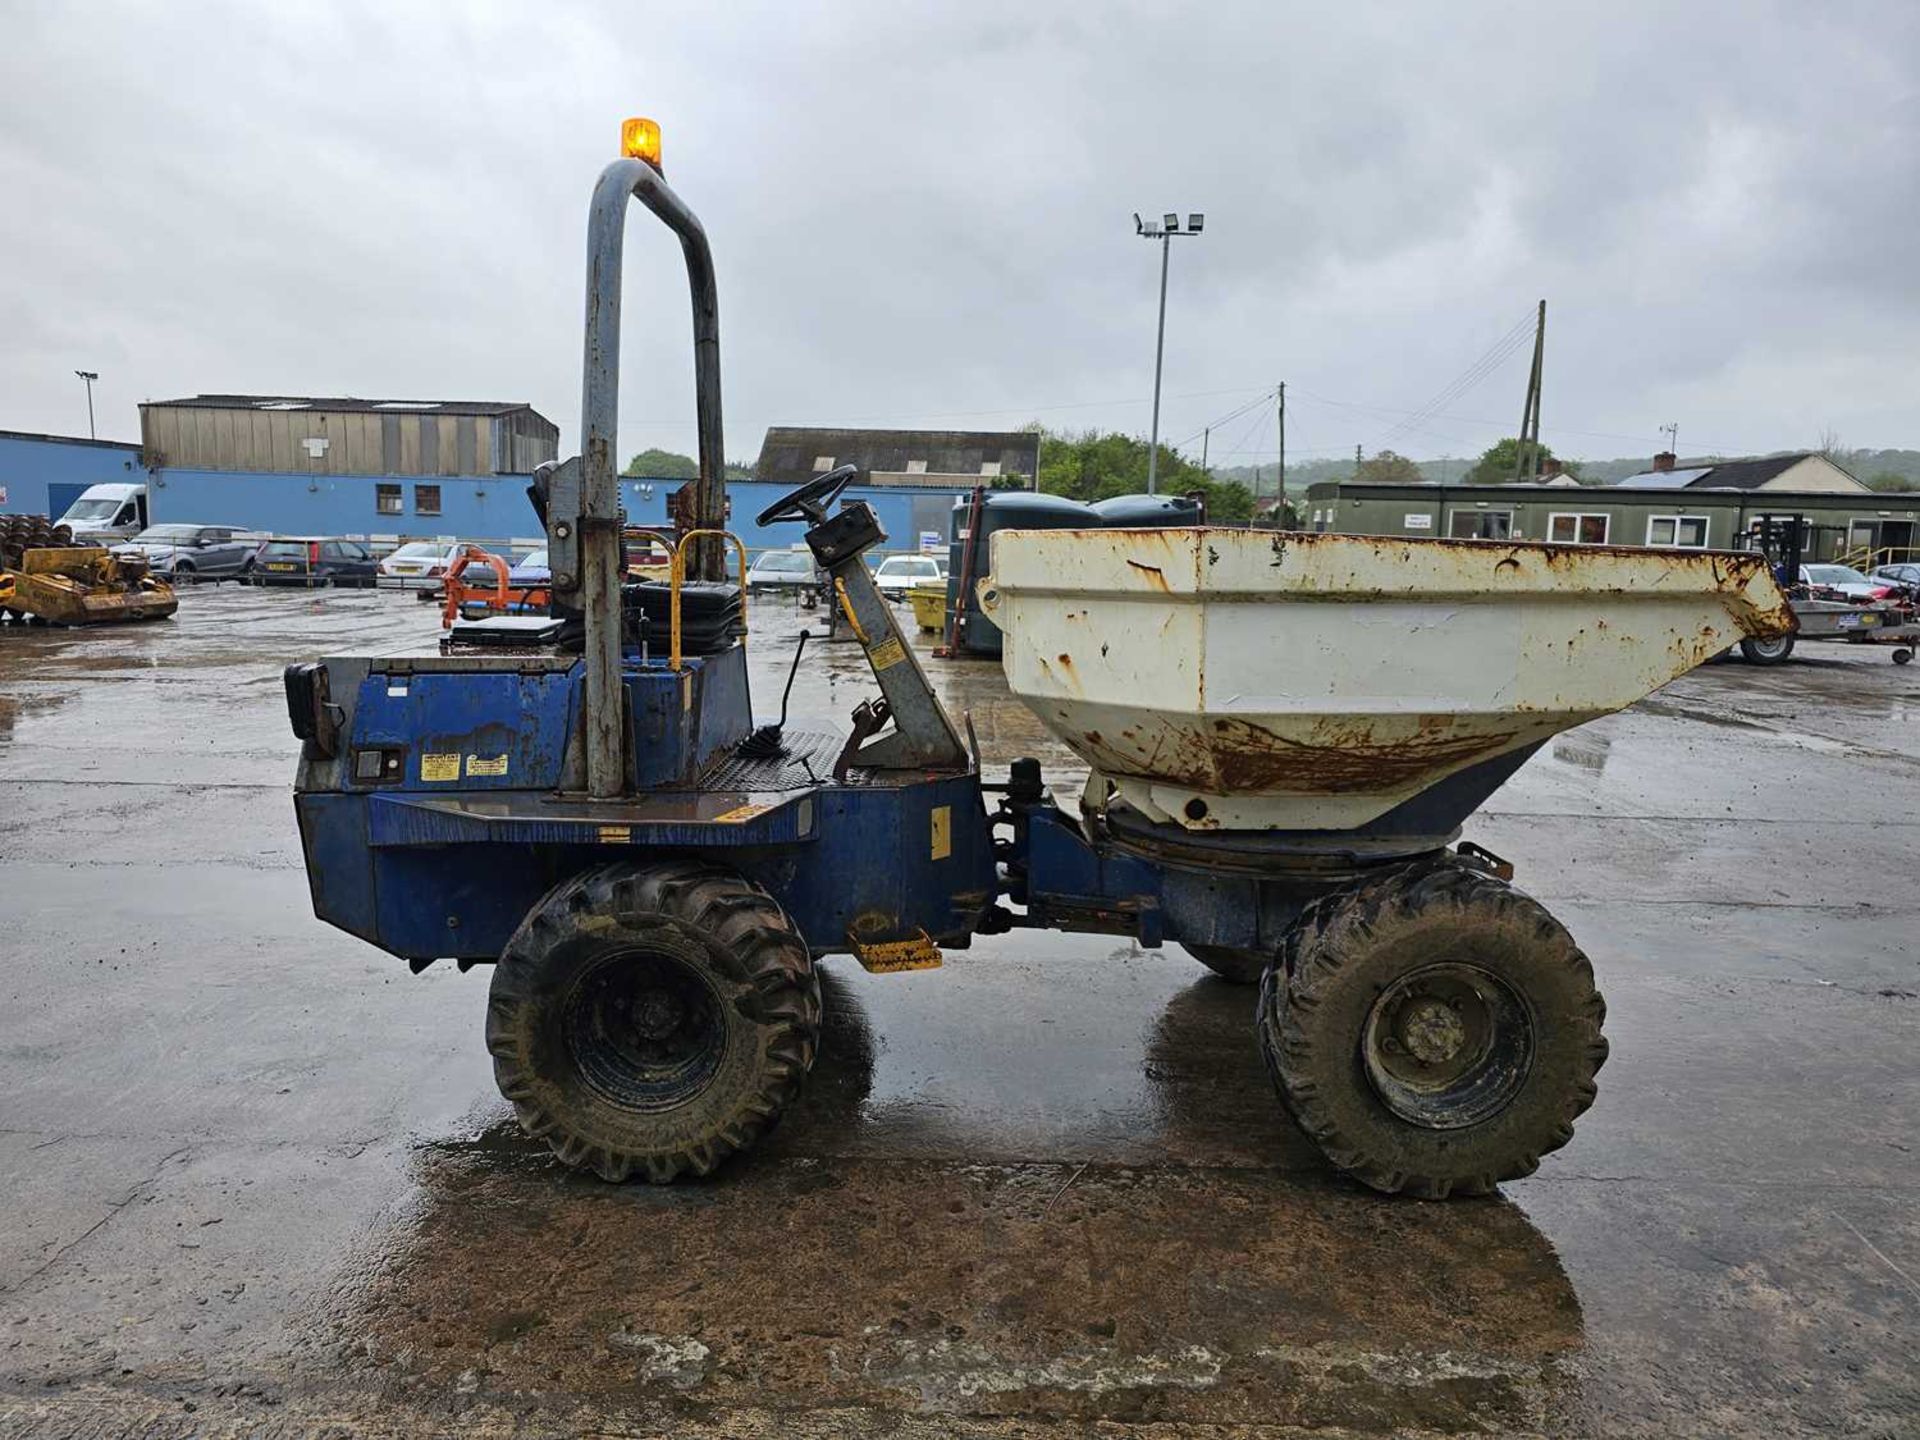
(44, 474)
(393, 470)
(491, 508)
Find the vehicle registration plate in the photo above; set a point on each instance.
(281, 565)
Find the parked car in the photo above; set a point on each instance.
(900, 573)
(186, 553)
(1844, 580)
(417, 565)
(791, 571)
(530, 569)
(1904, 576)
(313, 560)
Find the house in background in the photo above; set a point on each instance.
(1711, 505)
(1805, 473)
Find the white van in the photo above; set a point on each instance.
(107, 513)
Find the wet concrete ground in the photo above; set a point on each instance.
(257, 1179)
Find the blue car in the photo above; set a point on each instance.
(529, 573)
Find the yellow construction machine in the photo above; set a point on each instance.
(45, 576)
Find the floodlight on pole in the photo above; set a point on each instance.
(89, 376)
(1164, 232)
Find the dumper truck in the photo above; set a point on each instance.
(1285, 734)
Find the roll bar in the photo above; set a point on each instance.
(598, 505)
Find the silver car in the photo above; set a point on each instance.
(418, 565)
(186, 553)
(1843, 580)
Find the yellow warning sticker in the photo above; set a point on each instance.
(439, 767)
(942, 831)
(887, 653)
(616, 834)
(494, 767)
(740, 813)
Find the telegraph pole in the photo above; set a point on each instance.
(1280, 509)
(1206, 440)
(1526, 455)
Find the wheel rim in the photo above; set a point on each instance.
(1447, 1046)
(646, 1030)
(1770, 648)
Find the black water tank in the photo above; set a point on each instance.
(1025, 510)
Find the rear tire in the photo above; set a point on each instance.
(1434, 1032)
(1238, 967)
(652, 1021)
(1767, 652)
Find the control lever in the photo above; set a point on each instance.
(766, 742)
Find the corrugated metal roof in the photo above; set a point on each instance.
(791, 452)
(346, 403)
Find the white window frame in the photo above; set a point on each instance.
(1478, 515)
(1577, 516)
(1706, 532)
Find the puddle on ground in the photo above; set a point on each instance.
(828, 1270)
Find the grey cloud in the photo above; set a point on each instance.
(922, 211)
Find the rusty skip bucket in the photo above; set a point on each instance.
(1251, 679)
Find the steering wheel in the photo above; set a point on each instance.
(811, 500)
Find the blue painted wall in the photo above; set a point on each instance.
(487, 508)
(42, 474)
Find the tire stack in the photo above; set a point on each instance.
(21, 533)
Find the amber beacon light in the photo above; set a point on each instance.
(640, 140)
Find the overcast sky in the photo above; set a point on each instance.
(921, 213)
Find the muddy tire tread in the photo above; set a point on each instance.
(1322, 944)
(744, 920)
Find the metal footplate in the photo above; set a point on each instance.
(885, 957)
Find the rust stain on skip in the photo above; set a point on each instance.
(1239, 758)
(1155, 576)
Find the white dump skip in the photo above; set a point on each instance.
(1253, 679)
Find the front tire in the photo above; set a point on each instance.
(1434, 1032)
(653, 1020)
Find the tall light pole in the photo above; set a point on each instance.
(89, 376)
(1162, 230)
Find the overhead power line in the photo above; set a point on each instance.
(1489, 360)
